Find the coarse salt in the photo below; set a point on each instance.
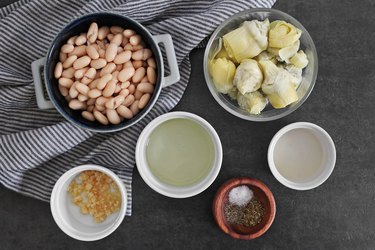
(240, 195)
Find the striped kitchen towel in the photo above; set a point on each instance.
(38, 146)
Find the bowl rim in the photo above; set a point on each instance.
(66, 177)
(217, 204)
(141, 162)
(250, 117)
(108, 129)
(297, 185)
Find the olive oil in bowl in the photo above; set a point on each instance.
(180, 152)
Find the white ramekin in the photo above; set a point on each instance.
(328, 162)
(68, 216)
(169, 190)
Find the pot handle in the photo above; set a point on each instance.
(41, 101)
(174, 76)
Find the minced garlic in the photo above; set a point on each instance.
(95, 193)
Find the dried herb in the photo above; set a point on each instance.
(249, 215)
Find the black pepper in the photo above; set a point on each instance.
(249, 215)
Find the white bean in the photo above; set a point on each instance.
(98, 63)
(108, 69)
(69, 61)
(151, 62)
(103, 81)
(134, 107)
(151, 75)
(81, 62)
(92, 33)
(88, 115)
(117, 39)
(80, 73)
(90, 73)
(94, 93)
(128, 100)
(67, 48)
(138, 75)
(92, 52)
(71, 40)
(128, 33)
(116, 29)
(145, 87)
(68, 73)
(126, 73)
(113, 116)
(82, 88)
(124, 112)
(134, 40)
(81, 39)
(109, 88)
(103, 32)
(144, 100)
(64, 91)
(73, 92)
(78, 51)
(111, 52)
(65, 82)
(82, 98)
(100, 117)
(123, 57)
(75, 104)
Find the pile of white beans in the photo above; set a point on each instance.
(107, 73)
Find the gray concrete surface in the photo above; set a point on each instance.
(337, 215)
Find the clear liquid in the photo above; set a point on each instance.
(298, 155)
(180, 152)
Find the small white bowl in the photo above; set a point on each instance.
(308, 152)
(170, 190)
(68, 216)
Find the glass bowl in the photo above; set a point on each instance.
(309, 73)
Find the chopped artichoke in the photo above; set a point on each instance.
(253, 102)
(222, 72)
(273, 51)
(216, 49)
(295, 75)
(248, 77)
(233, 93)
(223, 54)
(247, 41)
(265, 55)
(283, 34)
(277, 85)
(299, 60)
(219, 51)
(287, 52)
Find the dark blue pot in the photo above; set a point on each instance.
(81, 25)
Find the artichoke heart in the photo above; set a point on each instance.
(299, 60)
(247, 41)
(222, 72)
(265, 55)
(219, 51)
(233, 93)
(287, 52)
(295, 75)
(277, 85)
(253, 102)
(248, 77)
(283, 34)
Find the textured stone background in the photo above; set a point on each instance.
(337, 215)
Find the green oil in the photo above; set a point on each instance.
(180, 152)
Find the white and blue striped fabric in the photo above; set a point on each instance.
(38, 146)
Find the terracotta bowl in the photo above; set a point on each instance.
(261, 191)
